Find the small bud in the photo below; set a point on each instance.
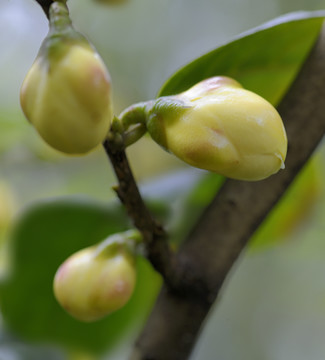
(66, 93)
(96, 281)
(219, 126)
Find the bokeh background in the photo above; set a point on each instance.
(273, 304)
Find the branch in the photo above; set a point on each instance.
(45, 5)
(176, 275)
(153, 234)
(228, 223)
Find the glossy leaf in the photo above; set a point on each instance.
(264, 60)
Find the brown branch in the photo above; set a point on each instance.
(231, 219)
(45, 5)
(177, 276)
(154, 236)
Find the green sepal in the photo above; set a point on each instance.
(164, 111)
(61, 35)
(133, 134)
(135, 114)
(120, 243)
(130, 124)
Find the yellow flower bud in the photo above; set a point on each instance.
(219, 126)
(66, 93)
(92, 283)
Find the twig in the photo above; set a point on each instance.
(178, 277)
(153, 234)
(231, 219)
(45, 5)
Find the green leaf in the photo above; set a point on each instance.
(293, 210)
(190, 191)
(13, 126)
(192, 203)
(187, 192)
(44, 237)
(264, 60)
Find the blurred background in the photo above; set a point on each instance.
(273, 305)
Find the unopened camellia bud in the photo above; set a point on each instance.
(219, 126)
(66, 94)
(97, 280)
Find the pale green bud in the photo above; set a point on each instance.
(66, 94)
(96, 281)
(219, 126)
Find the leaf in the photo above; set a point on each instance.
(293, 210)
(190, 191)
(192, 204)
(13, 127)
(264, 60)
(44, 237)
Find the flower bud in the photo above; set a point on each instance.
(219, 126)
(66, 93)
(95, 281)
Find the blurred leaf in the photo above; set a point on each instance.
(192, 204)
(44, 237)
(187, 192)
(172, 186)
(264, 60)
(291, 212)
(11, 348)
(13, 127)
